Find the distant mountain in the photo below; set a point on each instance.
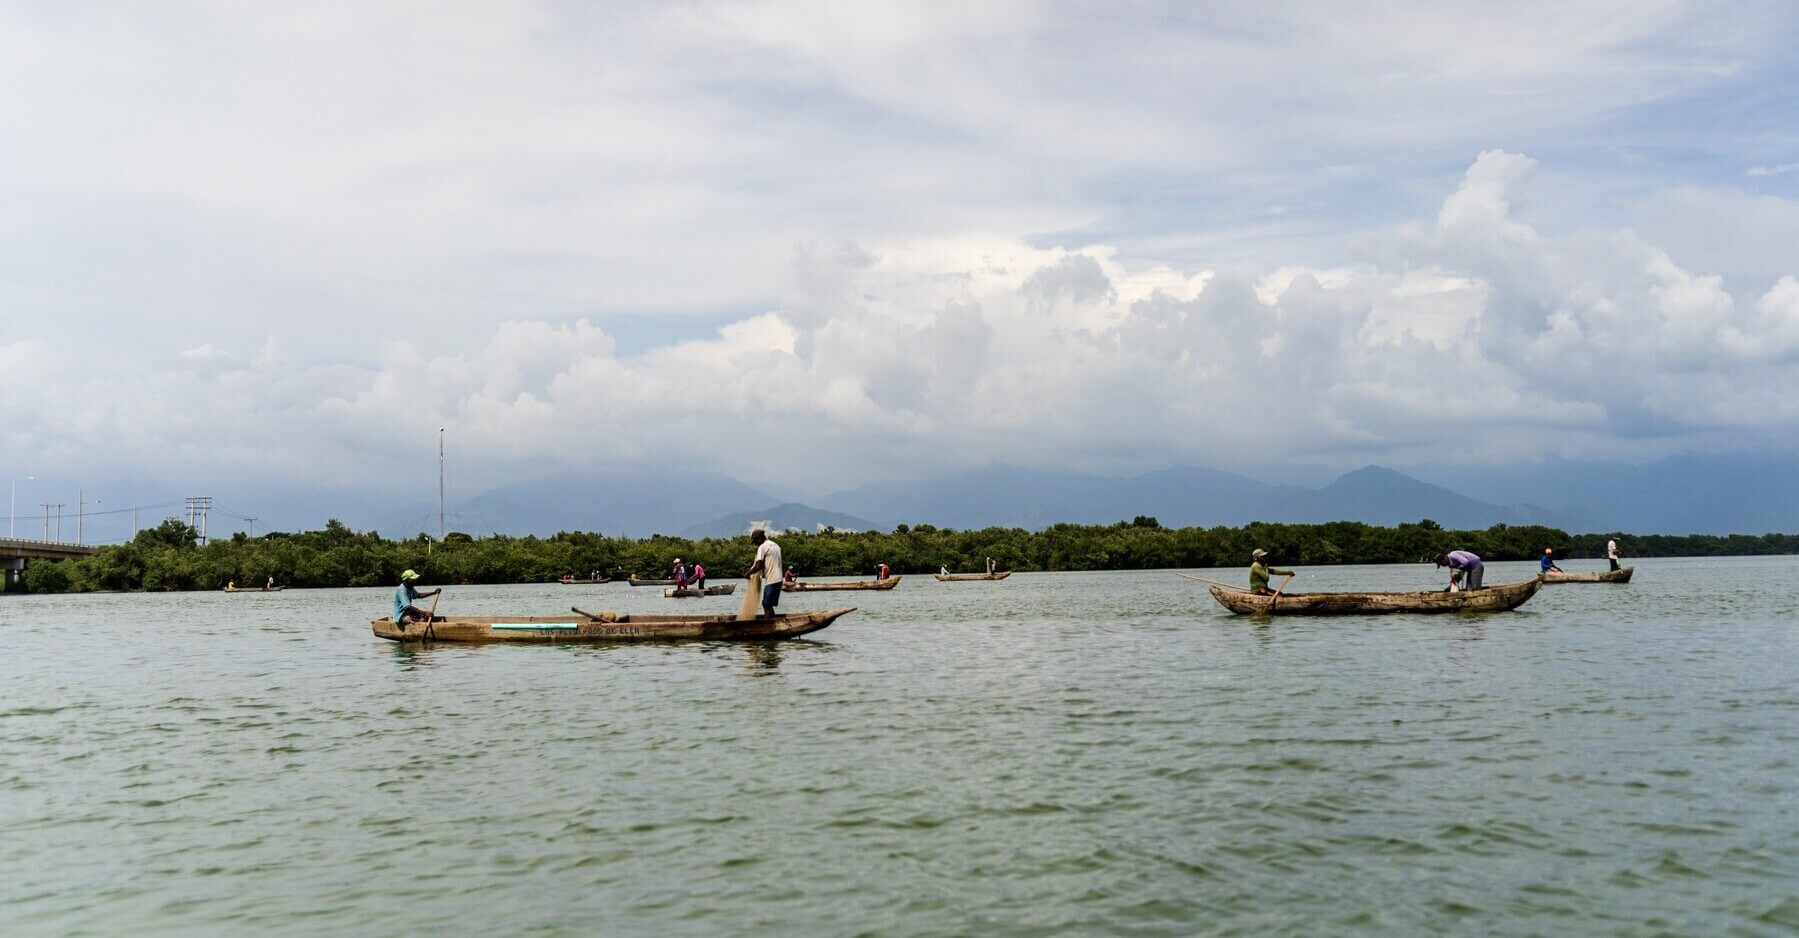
(1702, 493)
(637, 503)
(780, 518)
(1178, 497)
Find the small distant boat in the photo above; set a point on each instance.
(634, 581)
(605, 627)
(723, 589)
(798, 587)
(254, 589)
(1487, 599)
(951, 577)
(572, 581)
(1620, 575)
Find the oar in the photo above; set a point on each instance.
(1277, 593)
(431, 616)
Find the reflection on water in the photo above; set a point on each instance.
(1078, 753)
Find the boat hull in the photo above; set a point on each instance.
(604, 579)
(573, 629)
(259, 589)
(1488, 599)
(636, 582)
(958, 577)
(886, 584)
(724, 589)
(1620, 575)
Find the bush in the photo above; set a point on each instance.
(46, 576)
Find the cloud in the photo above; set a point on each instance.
(1756, 172)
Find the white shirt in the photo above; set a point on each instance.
(769, 556)
(1611, 549)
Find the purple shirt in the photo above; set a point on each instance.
(1462, 560)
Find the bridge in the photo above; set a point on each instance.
(16, 552)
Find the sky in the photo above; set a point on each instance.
(812, 245)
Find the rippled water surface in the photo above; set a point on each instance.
(1088, 752)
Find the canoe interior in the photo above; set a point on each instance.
(953, 577)
(1489, 599)
(606, 627)
(1620, 575)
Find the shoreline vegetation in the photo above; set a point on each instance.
(168, 557)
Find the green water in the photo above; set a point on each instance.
(1091, 753)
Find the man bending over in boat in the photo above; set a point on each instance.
(768, 560)
(1549, 561)
(405, 596)
(699, 576)
(1259, 572)
(1466, 564)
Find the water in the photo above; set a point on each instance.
(1085, 752)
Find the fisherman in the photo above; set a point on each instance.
(787, 576)
(1259, 572)
(680, 574)
(768, 559)
(943, 570)
(699, 576)
(1549, 561)
(990, 566)
(883, 573)
(1463, 565)
(405, 596)
(271, 584)
(230, 586)
(1611, 552)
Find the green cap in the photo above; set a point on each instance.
(409, 575)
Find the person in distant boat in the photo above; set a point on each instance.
(230, 585)
(944, 569)
(787, 575)
(1549, 561)
(680, 574)
(699, 576)
(1611, 552)
(1259, 572)
(1464, 566)
(990, 566)
(884, 572)
(271, 583)
(405, 596)
(768, 560)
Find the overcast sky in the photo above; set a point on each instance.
(811, 245)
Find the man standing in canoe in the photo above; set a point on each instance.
(1259, 572)
(699, 576)
(768, 559)
(1466, 565)
(883, 573)
(1611, 552)
(1549, 561)
(680, 574)
(405, 596)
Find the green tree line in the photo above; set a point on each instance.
(168, 557)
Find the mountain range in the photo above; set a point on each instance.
(1695, 494)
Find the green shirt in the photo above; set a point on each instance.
(1258, 576)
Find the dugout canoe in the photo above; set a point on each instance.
(955, 577)
(571, 581)
(637, 582)
(797, 587)
(1487, 599)
(254, 589)
(606, 627)
(1620, 575)
(723, 589)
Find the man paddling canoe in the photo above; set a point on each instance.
(405, 596)
(1464, 566)
(1260, 571)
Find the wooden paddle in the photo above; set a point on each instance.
(1277, 593)
(431, 616)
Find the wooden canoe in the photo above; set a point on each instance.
(797, 587)
(723, 589)
(606, 627)
(1487, 599)
(573, 582)
(254, 589)
(637, 582)
(954, 577)
(1620, 575)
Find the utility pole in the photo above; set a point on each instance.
(12, 513)
(134, 522)
(251, 524)
(440, 483)
(59, 507)
(80, 514)
(198, 506)
(47, 507)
